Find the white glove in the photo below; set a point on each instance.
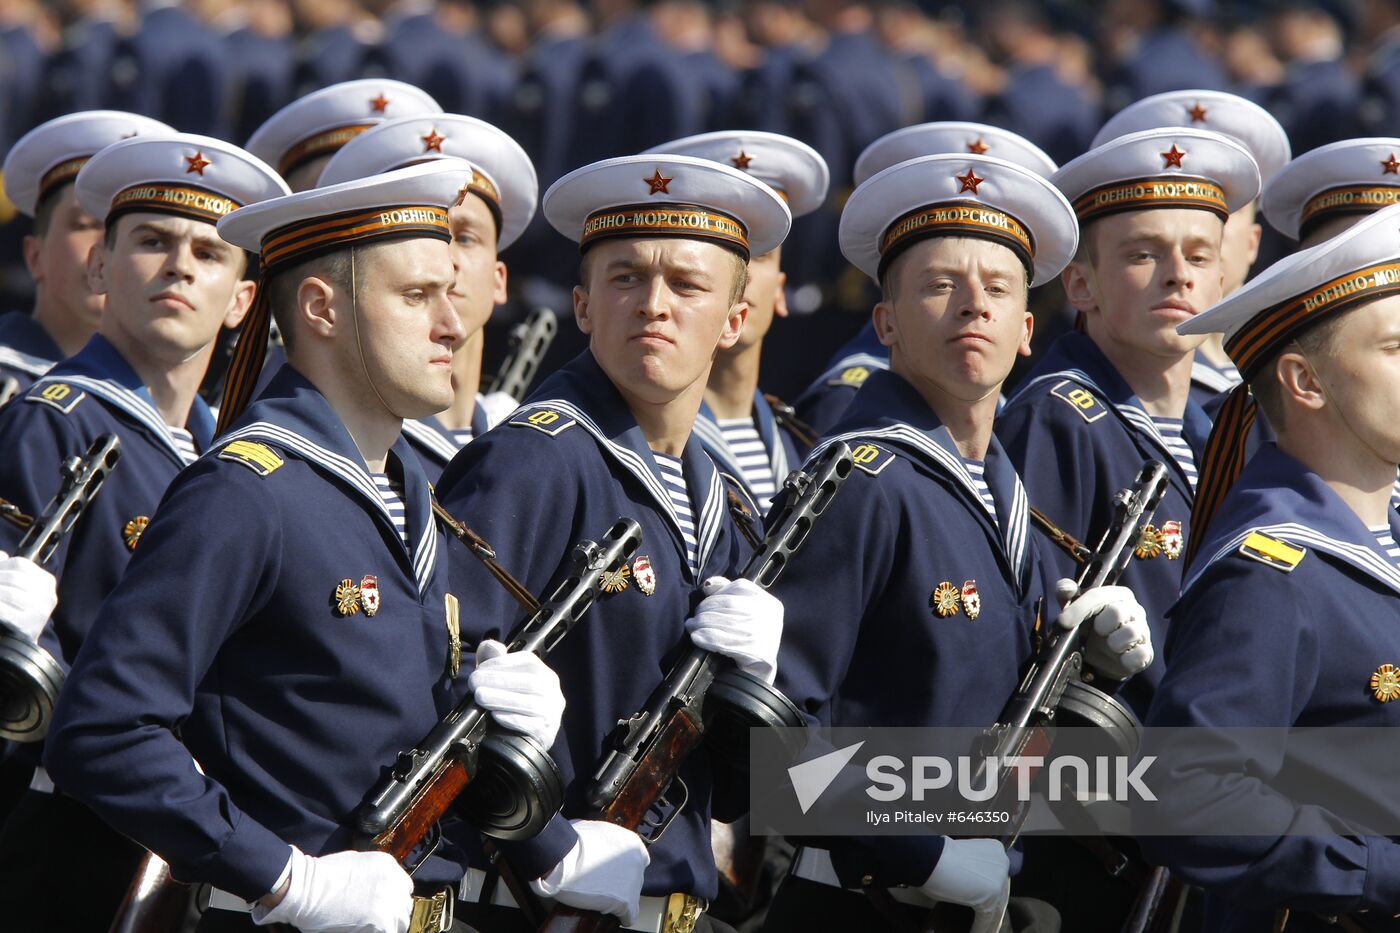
(1120, 644)
(741, 620)
(347, 892)
(521, 691)
(602, 872)
(975, 873)
(28, 595)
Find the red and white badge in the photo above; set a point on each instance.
(643, 575)
(971, 602)
(1171, 539)
(369, 594)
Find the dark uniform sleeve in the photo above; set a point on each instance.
(205, 564)
(36, 439)
(1243, 652)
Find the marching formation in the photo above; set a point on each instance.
(349, 638)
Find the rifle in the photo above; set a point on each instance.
(154, 901)
(704, 698)
(529, 340)
(515, 787)
(9, 388)
(30, 679)
(1055, 683)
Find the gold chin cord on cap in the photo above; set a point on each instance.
(359, 344)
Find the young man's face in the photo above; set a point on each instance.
(656, 311)
(1360, 376)
(57, 260)
(1144, 273)
(403, 325)
(481, 277)
(171, 284)
(1239, 247)
(765, 297)
(957, 315)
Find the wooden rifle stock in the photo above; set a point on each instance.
(154, 903)
(433, 800)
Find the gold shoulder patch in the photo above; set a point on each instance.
(547, 420)
(257, 457)
(871, 458)
(1275, 552)
(1080, 399)
(850, 376)
(58, 395)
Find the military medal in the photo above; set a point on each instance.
(1171, 539)
(454, 635)
(347, 598)
(944, 600)
(369, 594)
(615, 581)
(132, 531)
(643, 575)
(972, 603)
(1385, 683)
(1149, 543)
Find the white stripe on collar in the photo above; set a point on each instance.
(426, 436)
(1134, 415)
(128, 401)
(24, 362)
(1212, 378)
(711, 511)
(354, 474)
(1358, 556)
(855, 359)
(1014, 538)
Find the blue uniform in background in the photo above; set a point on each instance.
(825, 401)
(1288, 641)
(566, 466)
(233, 627)
(436, 444)
(1079, 434)
(26, 349)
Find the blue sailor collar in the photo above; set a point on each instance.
(712, 438)
(582, 391)
(890, 410)
(101, 371)
(432, 435)
(26, 346)
(292, 415)
(1206, 374)
(1279, 496)
(1075, 356)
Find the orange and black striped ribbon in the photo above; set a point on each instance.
(1156, 192)
(1221, 463)
(296, 243)
(65, 171)
(666, 220)
(967, 218)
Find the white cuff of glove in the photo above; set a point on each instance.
(28, 595)
(602, 872)
(971, 872)
(346, 892)
(741, 620)
(520, 690)
(1120, 643)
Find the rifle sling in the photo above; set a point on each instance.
(487, 555)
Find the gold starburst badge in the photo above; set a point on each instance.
(944, 600)
(1385, 683)
(132, 531)
(615, 581)
(1149, 543)
(347, 598)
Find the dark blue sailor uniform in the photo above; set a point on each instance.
(26, 349)
(1078, 434)
(83, 397)
(566, 466)
(1287, 618)
(778, 443)
(436, 445)
(825, 401)
(909, 580)
(274, 618)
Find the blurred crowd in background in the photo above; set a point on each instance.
(575, 82)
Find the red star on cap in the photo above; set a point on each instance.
(658, 183)
(742, 160)
(977, 147)
(1391, 166)
(433, 141)
(1197, 113)
(380, 104)
(197, 163)
(1172, 157)
(969, 182)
